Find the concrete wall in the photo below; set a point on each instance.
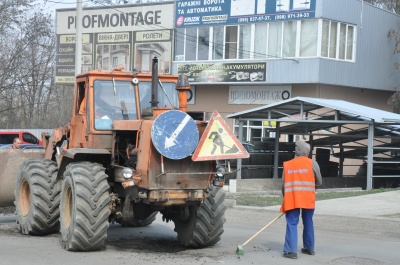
(10, 161)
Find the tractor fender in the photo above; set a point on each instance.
(101, 156)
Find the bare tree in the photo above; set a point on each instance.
(36, 75)
(27, 89)
(10, 19)
(10, 13)
(390, 5)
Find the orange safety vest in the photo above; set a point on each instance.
(82, 107)
(299, 184)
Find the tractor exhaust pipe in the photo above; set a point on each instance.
(154, 83)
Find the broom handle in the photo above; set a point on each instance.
(251, 238)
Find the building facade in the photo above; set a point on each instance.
(240, 54)
(243, 54)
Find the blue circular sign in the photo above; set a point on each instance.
(174, 134)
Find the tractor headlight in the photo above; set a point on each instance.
(219, 178)
(220, 171)
(127, 172)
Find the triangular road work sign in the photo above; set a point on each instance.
(218, 142)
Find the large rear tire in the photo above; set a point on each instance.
(37, 197)
(204, 225)
(84, 208)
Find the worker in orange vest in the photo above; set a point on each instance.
(82, 107)
(301, 177)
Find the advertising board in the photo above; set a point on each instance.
(128, 36)
(221, 12)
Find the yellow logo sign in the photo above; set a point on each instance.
(218, 142)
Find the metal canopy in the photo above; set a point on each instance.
(355, 131)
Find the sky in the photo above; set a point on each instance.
(52, 5)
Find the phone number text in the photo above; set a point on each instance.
(271, 18)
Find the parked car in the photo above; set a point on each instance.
(23, 146)
(7, 137)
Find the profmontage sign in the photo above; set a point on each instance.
(128, 36)
(214, 12)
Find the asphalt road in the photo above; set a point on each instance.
(339, 240)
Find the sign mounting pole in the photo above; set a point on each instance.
(78, 47)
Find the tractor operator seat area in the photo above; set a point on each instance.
(117, 101)
(113, 101)
(167, 97)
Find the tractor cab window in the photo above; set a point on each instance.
(81, 100)
(167, 97)
(113, 101)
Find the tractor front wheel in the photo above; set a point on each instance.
(84, 208)
(37, 197)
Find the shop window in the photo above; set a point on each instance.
(325, 38)
(105, 64)
(231, 42)
(260, 40)
(342, 41)
(350, 43)
(337, 40)
(332, 40)
(329, 39)
(289, 38)
(275, 40)
(218, 43)
(255, 123)
(254, 131)
(346, 42)
(203, 44)
(308, 38)
(190, 44)
(255, 134)
(146, 62)
(179, 44)
(245, 42)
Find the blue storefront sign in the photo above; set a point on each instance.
(216, 12)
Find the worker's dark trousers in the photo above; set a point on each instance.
(292, 219)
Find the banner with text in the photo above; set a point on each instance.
(214, 12)
(125, 36)
(258, 94)
(224, 72)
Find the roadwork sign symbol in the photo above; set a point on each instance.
(218, 142)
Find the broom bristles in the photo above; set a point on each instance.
(240, 250)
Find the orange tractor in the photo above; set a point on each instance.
(123, 159)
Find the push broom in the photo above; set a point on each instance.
(240, 250)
